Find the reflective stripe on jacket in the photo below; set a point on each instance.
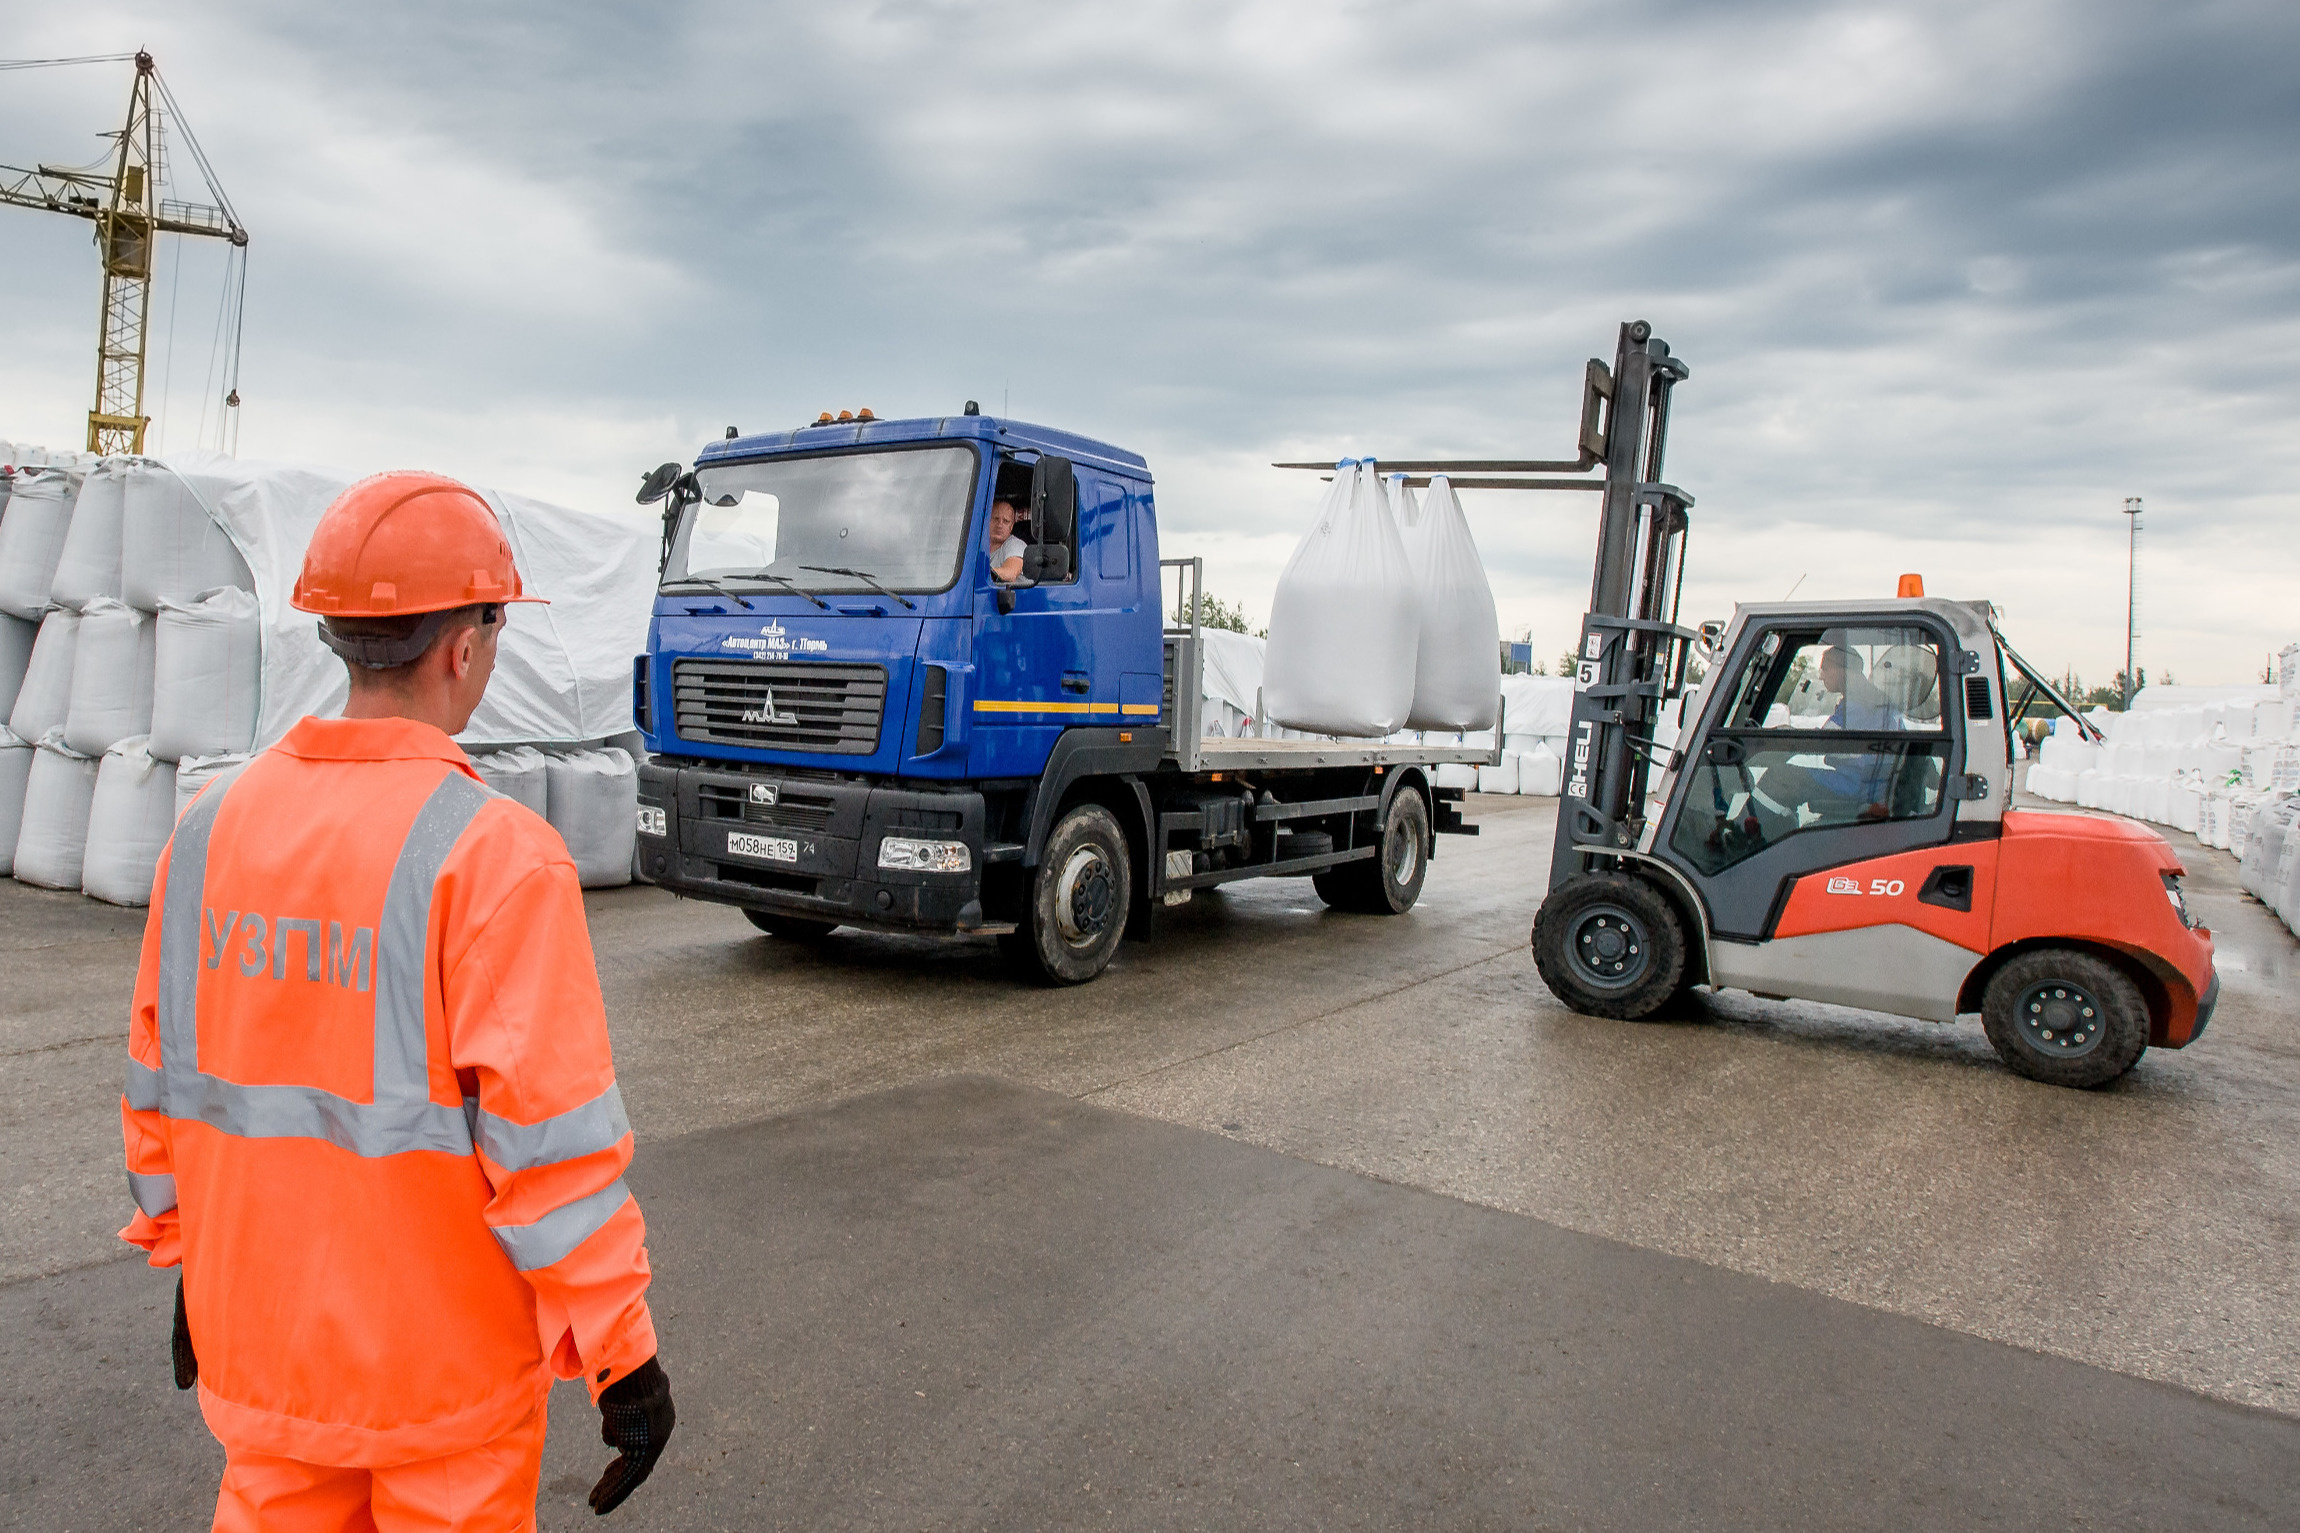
(371, 1107)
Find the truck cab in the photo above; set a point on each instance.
(848, 709)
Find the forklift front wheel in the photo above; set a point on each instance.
(1609, 945)
(2065, 1017)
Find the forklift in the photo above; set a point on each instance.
(1834, 821)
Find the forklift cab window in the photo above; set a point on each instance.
(1826, 727)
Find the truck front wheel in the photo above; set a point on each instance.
(1609, 945)
(2065, 1017)
(1079, 895)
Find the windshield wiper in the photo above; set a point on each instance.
(862, 575)
(705, 580)
(791, 585)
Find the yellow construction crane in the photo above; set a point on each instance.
(129, 213)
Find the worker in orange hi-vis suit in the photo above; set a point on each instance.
(370, 1105)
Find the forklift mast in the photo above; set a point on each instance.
(1632, 656)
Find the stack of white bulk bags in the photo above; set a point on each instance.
(2264, 847)
(1457, 660)
(130, 818)
(174, 550)
(519, 773)
(207, 674)
(45, 697)
(1345, 624)
(195, 772)
(32, 540)
(90, 564)
(111, 678)
(15, 775)
(16, 637)
(53, 837)
(594, 805)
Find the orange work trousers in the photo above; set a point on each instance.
(487, 1489)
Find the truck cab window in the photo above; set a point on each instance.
(1825, 727)
(897, 517)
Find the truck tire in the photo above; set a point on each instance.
(1079, 896)
(1610, 945)
(2065, 1017)
(790, 928)
(1388, 884)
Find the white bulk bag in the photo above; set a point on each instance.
(90, 565)
(174, 549)
(1457, 664)
(1499, 779)
(519, 773)
(1404, 507)
(111, 677)
(15, 772)
(195, 772)
(45, 698)
(32, 540)
(1541, 772)
(207, 674)
(16, 637)
(594, 805)
(1456, 774)
(1344, 624)
(129, 820)
(54, 835)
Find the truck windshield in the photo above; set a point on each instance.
(899, 517)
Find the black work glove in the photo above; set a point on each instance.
(635, 1418)
(187, 1362)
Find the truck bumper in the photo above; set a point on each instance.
(807, 844)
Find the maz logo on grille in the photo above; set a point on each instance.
(765, 713)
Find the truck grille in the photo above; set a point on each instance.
(779, 704)
(793, 809)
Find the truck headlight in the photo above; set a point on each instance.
(2179, 901)
(652, 821)
(924, 856)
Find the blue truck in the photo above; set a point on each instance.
(853, 721)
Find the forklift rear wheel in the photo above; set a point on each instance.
(2065, 1017)
(1609, 945)
(1079, 897)
(791, 928)
(1389, 884)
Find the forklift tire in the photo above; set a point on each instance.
(1389, 884)
(790, 928)
(1609, 945)
(2065, 1017)
(1080, 893)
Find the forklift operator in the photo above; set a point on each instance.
(1845, 787)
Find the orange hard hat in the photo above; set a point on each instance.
(404, 543)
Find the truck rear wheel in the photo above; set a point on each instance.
(1079, 895)
(791, 928)
(1609, 945)
(1387, 884)
(2065, 1017)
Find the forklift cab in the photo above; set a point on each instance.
(1832, 735)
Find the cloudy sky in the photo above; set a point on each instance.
(1953, 278)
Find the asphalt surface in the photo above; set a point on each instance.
(2060, 1303)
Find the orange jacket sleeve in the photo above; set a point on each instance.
(526, 1025)
(157, 1225)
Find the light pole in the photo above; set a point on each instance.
(2131, 595)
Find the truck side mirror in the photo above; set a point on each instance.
(658, 483)
(1046, 564)
(1054, 502)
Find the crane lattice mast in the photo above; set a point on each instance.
(129, 214)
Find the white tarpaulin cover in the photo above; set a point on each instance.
(1457, 666)
(562, 672)
(1345, 624)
